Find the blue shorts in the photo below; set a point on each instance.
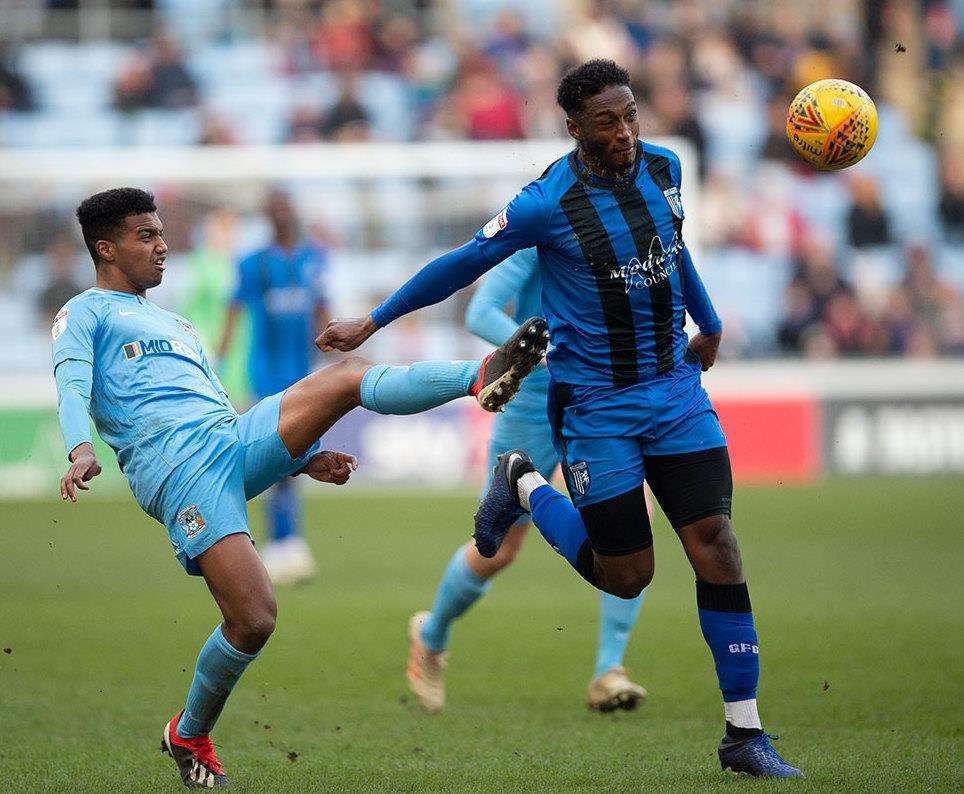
(603, 433)
(244, 456)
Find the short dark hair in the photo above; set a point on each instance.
(588, 80)
(100, 215)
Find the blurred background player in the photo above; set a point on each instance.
(523, 424)
(280, 288)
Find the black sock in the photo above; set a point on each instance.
(741, 733)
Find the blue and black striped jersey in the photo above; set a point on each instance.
(613, 263)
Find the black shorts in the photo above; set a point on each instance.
(688, 487)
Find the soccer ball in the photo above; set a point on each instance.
(832, 124)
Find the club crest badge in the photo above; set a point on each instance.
(675, 202)
(191, 521)
(579, 477)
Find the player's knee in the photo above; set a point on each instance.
(717, 535)
(629, 582)
(257, 623)
(350, 372)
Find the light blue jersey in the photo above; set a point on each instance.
(153, 393)
(515, 282)
(190, 459)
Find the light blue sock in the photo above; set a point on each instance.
(459, 589)
(283, 509)
(219, 666)
(617, 616)
(418, 387)
(561, 525)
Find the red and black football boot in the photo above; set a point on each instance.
(195, 758)
(504, 369)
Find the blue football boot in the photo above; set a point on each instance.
(500, 508)
(755, 756)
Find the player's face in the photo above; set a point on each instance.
(140, 250)
(607, 129)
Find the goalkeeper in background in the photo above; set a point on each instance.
(467, 577)
(279, 288)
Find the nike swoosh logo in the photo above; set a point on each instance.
(125, 314)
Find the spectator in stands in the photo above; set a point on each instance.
(61, 261)
(483, 106)
(347, 119)
(15, 93)
(672, 107)
(215, 131)
(156, 79)
(508, 42)
(776, 147)
(867, 221)
(951, 205)
(799, 315)
(344, 38)
(817, 270)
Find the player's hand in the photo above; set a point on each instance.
(333, 467)
(83, 467)
(345, 334)
(705, 346)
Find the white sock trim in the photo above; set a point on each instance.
(742, 714)
(526, 484)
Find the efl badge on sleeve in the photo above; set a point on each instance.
(675, 202)
(579, 476)
(191, 521)
(60, 324)
(496, 225)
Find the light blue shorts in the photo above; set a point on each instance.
(207, 502)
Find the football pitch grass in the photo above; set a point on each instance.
(856, 587)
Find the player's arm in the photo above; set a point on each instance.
(520, 225)
(244, 291)
(73, 359)
(700, 308)
(697, 300)
(228, 330)
(74, 383)
(486, 316)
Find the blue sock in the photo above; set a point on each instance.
(617, 616)
(561, 525)
(459, 589)
(418, 387)
(727, 624)
(283, 509)
(219, 666)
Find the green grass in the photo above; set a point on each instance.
(857, 588)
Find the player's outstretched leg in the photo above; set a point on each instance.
(311, 406)
(466, 579)
(610, 687)
(240, 585)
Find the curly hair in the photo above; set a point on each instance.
(100, 215)
(588, 80)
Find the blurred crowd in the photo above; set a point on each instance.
(867, 262)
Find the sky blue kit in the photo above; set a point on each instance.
(522, 425)
(617, 281)
(191, 461)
